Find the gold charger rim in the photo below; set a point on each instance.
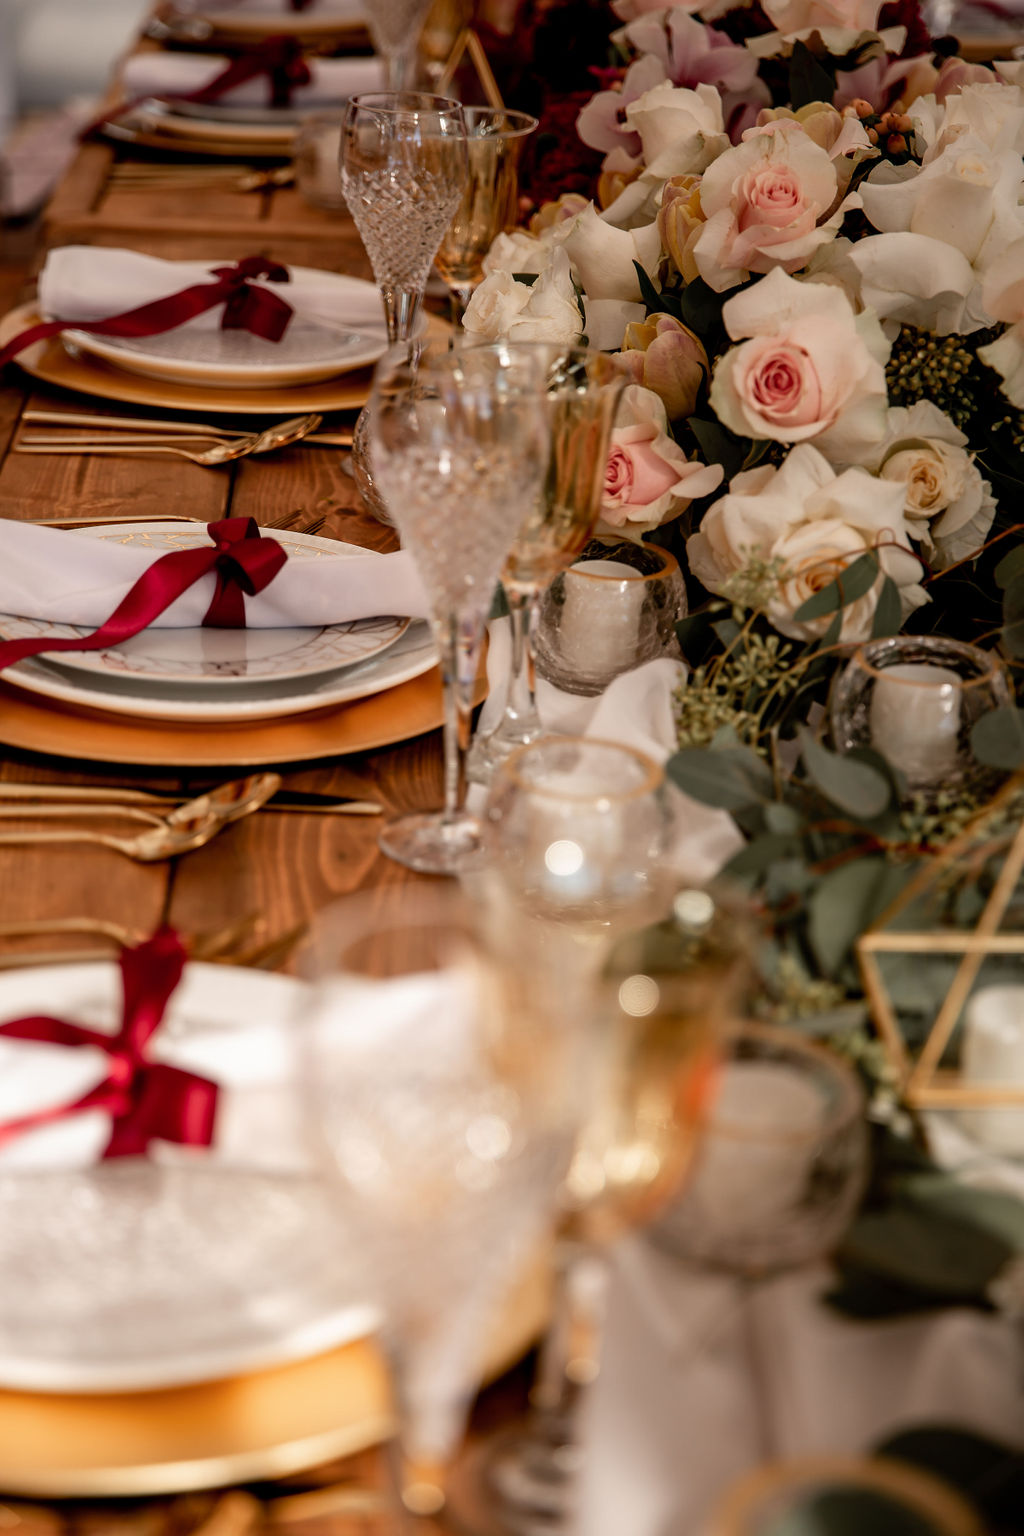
(336, 1403)
(381, 720)
(50, 362)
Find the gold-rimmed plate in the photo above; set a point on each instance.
(51, 362)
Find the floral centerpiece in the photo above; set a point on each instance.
(805, 242)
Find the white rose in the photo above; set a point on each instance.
(910, 279)
(518, 252)
(681, 130)
(992, 114)
(966, 197)
(812, 370)
(502, 309)
(1003, 295)
(813, 523)
(603, 256)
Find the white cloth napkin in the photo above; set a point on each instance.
(636, 710)
(252, 1061)
(69, 578)
(163, 73)
(87, 282)
(702, 1378)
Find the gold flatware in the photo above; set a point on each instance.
(187, 827)
(297, 521)
(108, 425)
(221, 451)
(27, 798)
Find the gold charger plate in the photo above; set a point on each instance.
(267, 1425)
(60, 730)
(53, 364)
(132, 129)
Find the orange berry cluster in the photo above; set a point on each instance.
(890, 130)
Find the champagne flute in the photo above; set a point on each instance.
(461, 446)
(403, 170)
(395, 27)
(442, 1090)
(658, 1010)
(583, 399)
(494, 139)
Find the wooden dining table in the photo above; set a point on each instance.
(277, 869)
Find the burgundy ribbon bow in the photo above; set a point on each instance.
(243, 562)
(145, 1099)
(245, 308)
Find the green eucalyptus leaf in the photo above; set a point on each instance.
(809, 79)
(700, 307)
(888, 615)
(657, 303)
(853, 786)
(1010, 567)
(718, 445)
(759, 856)
(936, 1256)
(838, 910)
(857, 579)
(727, 631)
(997, 739)
(991, 1211)
(714, 778)
(783, 819)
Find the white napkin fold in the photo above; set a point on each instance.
(163, 73)
(87, 282)
(636, 710)
(68, 578)
(702, 1378)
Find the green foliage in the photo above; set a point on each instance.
(810, 77)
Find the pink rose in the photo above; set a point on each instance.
(810, 369)
(648, 478)
(770, 202)
(635, 474)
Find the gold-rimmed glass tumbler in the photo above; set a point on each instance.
(490, 203)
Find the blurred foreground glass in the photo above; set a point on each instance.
(607, 614)
(315, 152)
(490, 203)
(578, 835)
(783, 1160)
(658, 1009)
(403, 171)
(461, 443)
(395, 27)
(583, 396)
(442, 1084)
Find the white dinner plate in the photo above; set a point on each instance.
(411, 656)
(257, 128)
(311, 349)
(210, 658)
(184, 1266)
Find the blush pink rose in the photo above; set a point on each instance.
(636, 474)
(781, 382)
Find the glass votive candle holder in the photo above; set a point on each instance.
(782, 1160)
(315, 156)
(608, 614)
(915, 699)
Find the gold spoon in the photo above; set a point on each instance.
(187, 827)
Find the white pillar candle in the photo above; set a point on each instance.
(600, 620)
(915, 718)
(993, 1053)
(760, 1141)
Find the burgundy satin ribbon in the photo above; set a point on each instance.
(145, 1099)
(246, 308)
(279, 57)
(243, 562)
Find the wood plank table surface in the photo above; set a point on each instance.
(285, 867)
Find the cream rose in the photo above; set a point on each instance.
(1003, 296)
(603, 256)
(812, 523)
(770, 202)
(949, 506)
(681, 131)
(910, 279)
(811, 370)
(648, 478)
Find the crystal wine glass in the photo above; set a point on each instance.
(582, 400)
(494, 139)
(403, 171)
(461, 446)
(442, 1086)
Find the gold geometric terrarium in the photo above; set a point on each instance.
(936, 962)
